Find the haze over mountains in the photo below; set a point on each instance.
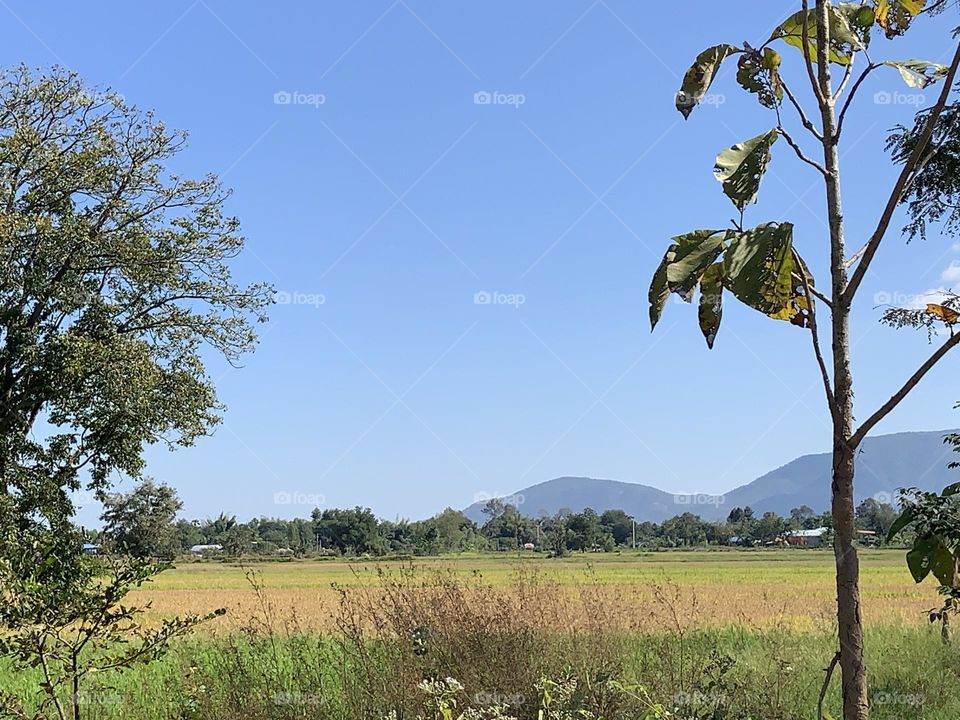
(885, 464)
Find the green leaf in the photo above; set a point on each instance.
(860, 18)
(700, 76)
(906, 517)
(759, 73)
(659, 290)
(844, 42)
(943, 565)
(951, 490)
(919, 73)
(758, 267)
(696, 251)
(895, 16)
(920, 558)
(741, 168)
(711, 302)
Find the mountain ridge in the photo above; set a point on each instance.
(884, 464)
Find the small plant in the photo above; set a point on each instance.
(68, 621)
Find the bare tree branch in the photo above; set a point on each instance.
(853, 93)
(906, 175)
(800, 154)
(911, 383)
(812, 324)
(805, 121)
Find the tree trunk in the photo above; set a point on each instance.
(852, 668)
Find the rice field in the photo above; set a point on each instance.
(787, 588)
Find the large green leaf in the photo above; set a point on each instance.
(944, 565)
(711, 302)
(758, 72)
(741, 168)
(895, 16)
(699, 78)
(919, 73)
(696, 251)
(860, 18)
(659, 290)
(844, 42)
(758, 266)
(906, 517)
(920, 558)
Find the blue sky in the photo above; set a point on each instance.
(386, 198)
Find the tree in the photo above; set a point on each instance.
(762, 268)
(876, 516)
(803, 518)
(619, 525)
(116, 278)
(769, 528)
(141, 523)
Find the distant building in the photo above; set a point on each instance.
(807, 538)
(200, 549)
(91, 549)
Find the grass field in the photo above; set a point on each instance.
(738, 635)
(758, 588)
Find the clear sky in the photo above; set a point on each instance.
(385, 199)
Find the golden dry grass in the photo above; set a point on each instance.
(785, 588)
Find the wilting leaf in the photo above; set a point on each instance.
(895, 16)
(948, 316)
(844, 42)
(759, 73)
(699, 77)
(659, 290)
(696, 251)
(741, 168)
(919, 73)
(860, 18)
(711, 302)
(758, 267)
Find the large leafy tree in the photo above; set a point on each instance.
(761, 267)
(115, 280)
(141, 523)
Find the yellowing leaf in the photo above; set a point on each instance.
(895, 16)
(949, 316)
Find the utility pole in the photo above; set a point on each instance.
(634, 532)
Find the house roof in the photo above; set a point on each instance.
(818, 532)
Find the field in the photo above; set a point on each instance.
(733, 635)
(759, 589)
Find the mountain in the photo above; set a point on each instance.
(885, 464)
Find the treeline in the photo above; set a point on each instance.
(144, 523)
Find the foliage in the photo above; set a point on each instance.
(141, 523)
(66, 616)
(116, 277)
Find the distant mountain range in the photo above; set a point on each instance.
(884, 464)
